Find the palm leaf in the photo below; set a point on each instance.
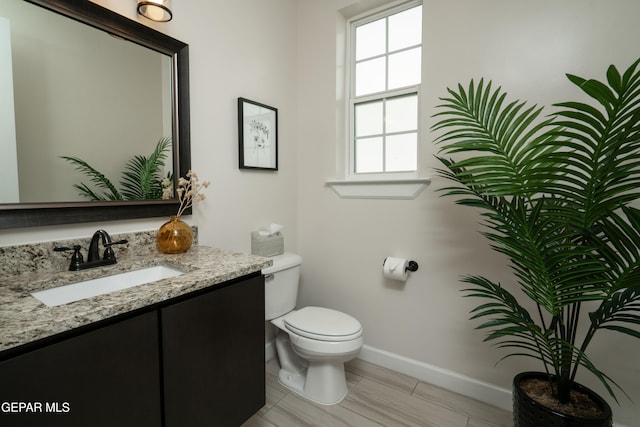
(141, 179)
(501, 135)
(97, 178)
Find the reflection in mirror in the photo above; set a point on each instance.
(60, 69)
(79, 80)
(8, 159)
(143, 177)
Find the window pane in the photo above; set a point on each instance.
(370, 76)
(405, 29)
(368, 155)
(386, 60)
(401, 152)
(370, 39)
(369, 119)
(402, 114)
(404, 68)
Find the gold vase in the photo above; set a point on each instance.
(174, 236)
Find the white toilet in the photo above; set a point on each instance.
(313, 342)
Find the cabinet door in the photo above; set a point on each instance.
(213, 355)
(106, 377)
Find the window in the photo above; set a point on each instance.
(386, 53)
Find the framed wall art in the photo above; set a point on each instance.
(258, 135)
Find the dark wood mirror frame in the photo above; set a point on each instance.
(16, 215)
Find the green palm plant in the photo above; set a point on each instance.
(554, 194)
(141, 178)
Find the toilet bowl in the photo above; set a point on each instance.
(312, 343)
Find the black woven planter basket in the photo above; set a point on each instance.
(529, 413)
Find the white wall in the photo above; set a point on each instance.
(527, 47)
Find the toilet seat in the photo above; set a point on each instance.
(323, 324)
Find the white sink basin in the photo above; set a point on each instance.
(103, 285)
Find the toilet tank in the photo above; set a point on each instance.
(281, 285)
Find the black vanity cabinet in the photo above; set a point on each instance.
(213, 356)
(197, 360)
(105, 377)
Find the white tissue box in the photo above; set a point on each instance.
(271, 245)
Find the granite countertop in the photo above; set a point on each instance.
(24, 319)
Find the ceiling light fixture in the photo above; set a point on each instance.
(156, 10)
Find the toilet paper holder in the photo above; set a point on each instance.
(411, 265)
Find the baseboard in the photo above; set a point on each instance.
(449, 380)
(444, 378)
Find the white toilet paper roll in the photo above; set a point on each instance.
(395, 269)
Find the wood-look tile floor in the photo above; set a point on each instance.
(377, 397)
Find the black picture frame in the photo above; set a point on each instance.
(258, 135)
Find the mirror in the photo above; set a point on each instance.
(99, 87)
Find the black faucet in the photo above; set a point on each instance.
(94, 251)
(93, 256)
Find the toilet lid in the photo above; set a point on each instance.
(323, 324)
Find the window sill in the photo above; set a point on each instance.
(407, 189)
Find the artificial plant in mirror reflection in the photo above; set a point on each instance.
(142, 177)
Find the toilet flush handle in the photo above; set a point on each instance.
(268, 277)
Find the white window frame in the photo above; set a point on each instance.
(386, 94)
(401, 185)
(409, 90)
